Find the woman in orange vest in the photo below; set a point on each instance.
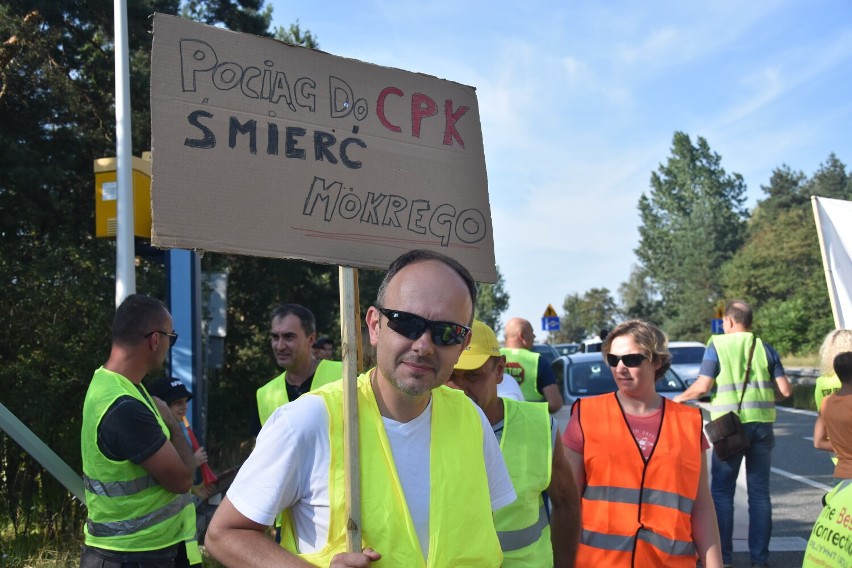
(640, 466)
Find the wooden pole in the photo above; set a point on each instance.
(832, 291)
(349, 324)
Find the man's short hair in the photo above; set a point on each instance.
(843, 366)
(306, 316)
(137, 316)
(739, 311)
(422, 255)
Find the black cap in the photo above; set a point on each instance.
(322, 341)
(169, 389)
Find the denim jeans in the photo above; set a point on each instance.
(758, 460)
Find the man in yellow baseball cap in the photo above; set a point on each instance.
(530, 534)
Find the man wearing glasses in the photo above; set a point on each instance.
(137, 465)
(430, 476)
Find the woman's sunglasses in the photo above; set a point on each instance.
(631, 360)
(412, 326)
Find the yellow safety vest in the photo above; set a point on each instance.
(461, 527)
(527, 445)
(831, 538)
(274, 393)
(826, 385)
(759, 399)
(523, 365)
(127, 509)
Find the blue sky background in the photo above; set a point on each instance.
(579, 101)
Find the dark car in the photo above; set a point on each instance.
(587, 374)
(547, 351)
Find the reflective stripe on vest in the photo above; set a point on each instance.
(637, 512)
(461, 530)
(759, 399)
(637, 496)
(132, 526)
(118, 488)
(127, 509)
(522, 538)
(527, 446)
(274, 393)
(621, 543)
(522, 364)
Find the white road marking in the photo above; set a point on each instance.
(801, 479)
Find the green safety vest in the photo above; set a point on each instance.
(127, 509)
(527, 445)
(523, 365)
(826, 385)
(461, 528)
(831, 538)
(274, 393)
(759, 400)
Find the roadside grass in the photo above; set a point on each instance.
(804, 360)
(35, 550)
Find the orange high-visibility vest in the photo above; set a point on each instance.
(638, 513)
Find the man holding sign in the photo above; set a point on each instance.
(431, 470)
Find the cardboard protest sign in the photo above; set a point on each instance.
(267, 149)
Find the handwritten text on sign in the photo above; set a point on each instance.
(321, 154)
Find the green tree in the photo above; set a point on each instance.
(57, 285)
(294, 34)
(247, 16)
(492, 301)
(692, 221)
(830, 180)
(779, 268)
(58, 289)
(639, 297)
(588, 314)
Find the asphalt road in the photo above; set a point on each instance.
(801, 475)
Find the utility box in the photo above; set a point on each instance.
(106, 194)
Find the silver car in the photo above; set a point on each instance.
(686, 359)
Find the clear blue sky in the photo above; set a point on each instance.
(579, 101)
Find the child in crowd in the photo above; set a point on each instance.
(172, 391)
(833, 429)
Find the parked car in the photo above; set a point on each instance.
(686, 359)
(547, 351)
(567, 348)
(587, 374)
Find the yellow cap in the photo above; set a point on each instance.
(483, 344)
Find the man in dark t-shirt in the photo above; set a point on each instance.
(136, 476)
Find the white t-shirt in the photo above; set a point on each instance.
(509, 388)
(288, 468)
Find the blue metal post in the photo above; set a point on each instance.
(183, 268)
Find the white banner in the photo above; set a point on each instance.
(834, 225)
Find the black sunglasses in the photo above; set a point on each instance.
(172, 336)
(630, 360)
(412, 326)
